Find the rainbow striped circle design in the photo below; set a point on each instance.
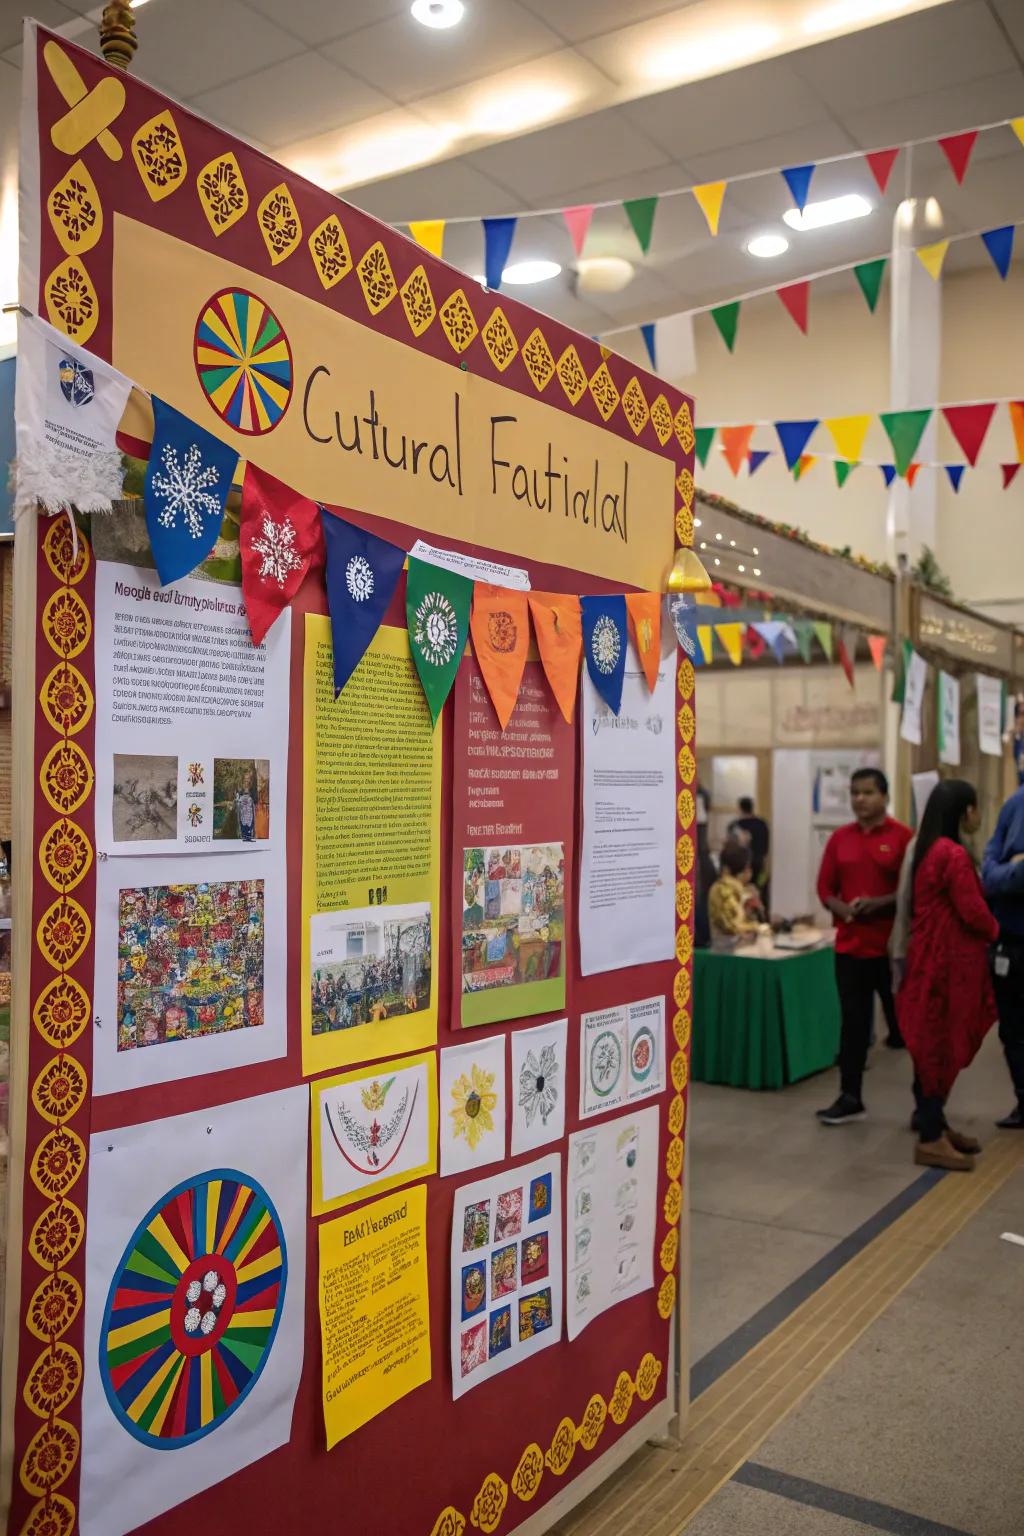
(193, 1309)
(244, 361)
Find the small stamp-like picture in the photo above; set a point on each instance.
(473, 1348)
(145, 798)
(540, 1197)
(535, 1313)
(500, 1334)
(476, 1226)
(241, 799)
(534, 1264)
(508, 1220)
(474, 1289)
(504, 1271)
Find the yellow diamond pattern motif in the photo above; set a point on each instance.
(330, 251)
(498, 339)
(376, 278)
(661, 419)
(684, 428)
(606, 396)
(74, 209)
(418, 301)
(279, 223)
(159, 156)
(540, 364)
(571, 374)
(458, 321)
(634, 403)
(222, 192)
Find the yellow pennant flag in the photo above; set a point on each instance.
(731, 636)
(1017, 124)
(848, 434)
(931, 257)
(430, 234)
(707, 644)
(709, 197)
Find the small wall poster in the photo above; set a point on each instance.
(538, 1085)
(372, 1130)
(612, 1197)
(374, 1313)
(622, 1055)
(472, 1093)
(506, 1300)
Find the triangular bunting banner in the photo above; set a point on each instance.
(823, 633)
(931, 257)
(437, 603)
(911, 474)
(559, 632)
(1017, 423)
(968, 424)
(278, 536)
(1010, 472)
(756, 646)
(682, 612)
(798, 180)
(705, 636)
(842, 469)
(647, 332)
(726, 318)
(1017, 124)
(848, 434)
(578, 222)
(796, 296)
(999, 244)
(877, 645)
(703, 438)
(847, 650)
(794, 437)
(498, 234)
(362, 574)
(957, 149)
(805, 462)
(904, 430)
(880, 163)
(640, 212)
(674, 343)
(773, 633)
(187, 484)
(604, 645)
(644, 611)
(888, 473)
(955, 473)
(755, 458)
(430, 234)
(709, 200)
(500, 626)
(804, 631)
(869, 275)
(735, 443)
(731, 637)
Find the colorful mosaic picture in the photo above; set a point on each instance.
(145, 798)
(193, 1309)
(535, 1258)
(241, 799)
(189, 961)
(474, 1288)
(243, 361)
(369, 965)
(473, 1348)
(535, 1313)
(508, 1221)
(476, 1226)
(540, 1197)
(500, 1333)
(513, 915)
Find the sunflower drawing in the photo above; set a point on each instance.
(474, 1104)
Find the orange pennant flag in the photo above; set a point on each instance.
(558, 625)
(735, 443)
(644, 610)
(500, 626)
(1017, 423)
(876, 645)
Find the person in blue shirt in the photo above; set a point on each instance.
(1002, 875)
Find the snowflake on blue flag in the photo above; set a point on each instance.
(362, 573)
(604, 645)
(187, 484)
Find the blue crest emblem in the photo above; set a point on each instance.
(76, 381)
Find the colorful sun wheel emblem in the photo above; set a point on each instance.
(244, 361)
(193, 1309)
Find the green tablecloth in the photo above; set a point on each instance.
(763, 1023)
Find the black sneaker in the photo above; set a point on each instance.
(1014, 1121)
(842, 1111)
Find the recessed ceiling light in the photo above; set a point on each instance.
(523, 272)
(843, 14)
(768, 245)
(696, 55)
(834, 210)
(603, 274)
(512, 111)
(438, 13)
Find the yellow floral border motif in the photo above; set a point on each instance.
(562, 1448)
(489, 1504)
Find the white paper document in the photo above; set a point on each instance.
(611, 1197)
(538, 1085)
(990, 712)
(622, 1055)
(627, 881)
(913, 698)
(191, 718)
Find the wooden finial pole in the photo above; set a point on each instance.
(117, 33)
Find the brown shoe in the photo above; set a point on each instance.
(962, 1143)
(942, 1154)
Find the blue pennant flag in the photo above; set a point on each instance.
(756, 457)
(604, 642)
(955, 473)
(362, 573)
(187, 485)
(999, 244)
(798, 180)
(773, 633)
(682, 608)
(888, 473)
(647, 332)
(497, 244)
(794, 437)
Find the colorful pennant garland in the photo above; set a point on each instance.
(727, 318)
(999, 244)
(429, 233)
(709, 199)
(640, 212)
(437, 606)
(604, 645)
(361, 577)
(795, 297)
(578, 223)
(187, 484)
(558, 626)
(793, 437)
(500, 626)
(498, 236)
(798, 180)
(279, 540)
(643, 610)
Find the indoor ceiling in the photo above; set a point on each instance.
(334, 87)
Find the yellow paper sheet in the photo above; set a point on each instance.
(371, 823)
(374, 1309)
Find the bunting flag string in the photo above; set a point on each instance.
(880, 164)
(999, 244)
(888, 473)
(604, 645)
(969, 424)
(795, 297)
(794, 437)
(648, 334)
(726, 318)
(558, 626)
(957, 148)
(361, 576)
(709, 199)
(187, 484)
(755, 458)
(805, 462)
(437, 605)
(500, 626)
(842, 468)
(735, 443)
(877, 645)
(932, 257)
(640, 212)
(429, 233)
(279, 539)
(798, 180)
(705, 436)
(498, 236)
(644, 613)
(578, 222)
(955, 472)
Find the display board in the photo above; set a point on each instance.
(336, 1183)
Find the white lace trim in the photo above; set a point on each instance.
(58, 479)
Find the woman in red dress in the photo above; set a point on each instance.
(945, 1005)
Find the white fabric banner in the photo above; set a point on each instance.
(913, 698)
(990, 712)
(949, 720)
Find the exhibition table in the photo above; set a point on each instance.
(763, 1019)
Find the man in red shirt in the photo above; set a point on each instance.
(860, 871)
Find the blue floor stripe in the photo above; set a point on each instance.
(833, 1501)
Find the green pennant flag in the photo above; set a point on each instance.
(804, 631)
(726, 317)
(899, 672)
(869, 275)
(703, 438)
(905, 430)
(437, 604)
(842, 469)
(640, 212)
(824, 634)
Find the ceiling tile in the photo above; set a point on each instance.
(732, 109)
(235, 42)
(537, 164)
(294, 99)
(450, 188)
(49, 12)
(577, 20)
(320, 21)
(947, 111)
(1012, 18)
(794, 148)
(409, 61)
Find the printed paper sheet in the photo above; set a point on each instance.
(622, 1055)
(472, 1092)
(538, 1085)
(372, 1129)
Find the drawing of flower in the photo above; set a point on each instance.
(605, 644)
(474, 1104)
(538, 1084)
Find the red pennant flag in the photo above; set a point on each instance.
(280, 538)
(847, 650)
(957, 149)
(911, 474)
(881, 162)
(968, 424)
(735, 443)
(795, 297)
(876, 645)
(1009, 474)
(644, 611)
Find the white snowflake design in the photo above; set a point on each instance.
(437, 629)
(359, 579)
(605, 644)
(276, 549)
(538, 1084)
(185, 488)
